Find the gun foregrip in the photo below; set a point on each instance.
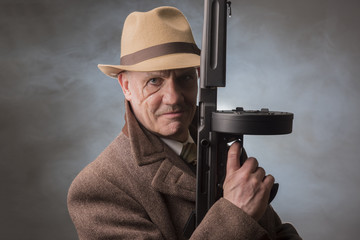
(273, 192)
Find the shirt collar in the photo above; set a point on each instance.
(175, 145)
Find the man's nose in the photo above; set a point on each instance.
(172, 92)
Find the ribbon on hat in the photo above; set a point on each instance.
(159, 50)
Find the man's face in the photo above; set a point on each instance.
(163, 101)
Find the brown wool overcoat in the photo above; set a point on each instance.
(138, 188)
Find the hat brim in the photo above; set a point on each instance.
(167, 62)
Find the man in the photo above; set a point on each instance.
(141, 187)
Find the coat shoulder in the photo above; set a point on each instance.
(115, 170)
(114, 165)
(114, 154)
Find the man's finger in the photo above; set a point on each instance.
(260, 173)
(233, 160)
(251, 165)
(269, 181)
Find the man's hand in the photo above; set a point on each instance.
(247, 186)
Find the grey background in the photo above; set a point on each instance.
(58, 111)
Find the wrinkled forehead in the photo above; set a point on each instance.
(167, 73)
(162, 73)
(131, 75)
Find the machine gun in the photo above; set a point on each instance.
(218, 128)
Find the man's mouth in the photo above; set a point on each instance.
(174, 114)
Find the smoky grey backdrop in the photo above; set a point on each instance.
(58, 111)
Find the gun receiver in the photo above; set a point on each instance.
(216, 128)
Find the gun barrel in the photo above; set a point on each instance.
(213, 54)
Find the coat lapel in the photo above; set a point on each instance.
(173, 176)
(171, 180)
(146, 147)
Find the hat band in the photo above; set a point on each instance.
(159, 50)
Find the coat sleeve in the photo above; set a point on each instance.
(226, 221)
(284, 231)
(107, 214)
(101, 210)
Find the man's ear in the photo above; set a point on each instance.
(123, 79)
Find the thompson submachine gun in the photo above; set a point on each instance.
(217, 128)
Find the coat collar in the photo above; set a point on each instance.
(146, 147)
(171, 175)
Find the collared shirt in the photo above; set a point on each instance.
(175, 145)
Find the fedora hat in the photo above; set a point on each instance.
(160, 39)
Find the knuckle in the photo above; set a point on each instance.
(271, 178)
(253, 161)
(233, 154)
(261, 170)
(254, 182)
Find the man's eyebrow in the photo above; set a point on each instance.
(187, 71)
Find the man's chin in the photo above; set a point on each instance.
(176, 131)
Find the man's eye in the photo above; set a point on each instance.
(189, 78)
(154, 81)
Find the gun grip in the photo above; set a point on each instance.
(273, 192)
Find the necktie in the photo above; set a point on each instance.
(189, 153)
